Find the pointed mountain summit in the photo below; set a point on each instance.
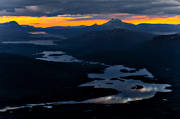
(12, 24)
(12, 31)
(95, 25)
(118, 24)
(115, 21)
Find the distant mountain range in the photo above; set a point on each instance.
(69, 32)
(158, 29)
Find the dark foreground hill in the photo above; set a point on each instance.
(106, 41)
(25, 80)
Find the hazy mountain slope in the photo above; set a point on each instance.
(159, 28)
(12, 31)
(103, 42)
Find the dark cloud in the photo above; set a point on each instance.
(56, 7)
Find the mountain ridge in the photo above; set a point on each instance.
(159, 29)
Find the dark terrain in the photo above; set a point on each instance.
(25, 80)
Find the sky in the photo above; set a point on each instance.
(47, 13)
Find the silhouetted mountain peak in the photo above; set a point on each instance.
(115, 21)
(94, 25)
(11, 24)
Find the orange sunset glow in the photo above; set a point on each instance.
(78, 20)
(52, 21)
(153, 20)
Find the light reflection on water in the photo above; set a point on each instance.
(125, 87)
(126, 93)
(32, 42)
(57, 56)
(116, 72)
(129, 89)
(60, 56)
(38, 33)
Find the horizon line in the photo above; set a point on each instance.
(69, 21)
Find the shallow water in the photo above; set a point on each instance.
(49, 53)
(114, 78)
(38, 33)
(117, 72)
(129, 89)
(57, 56)
(32, 42)
(60, 56)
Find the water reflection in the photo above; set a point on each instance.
(114, 77)
(60, 56)
(129, 89)
(32, 42)
(57, 56)
(38, 33)
(117, 71)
